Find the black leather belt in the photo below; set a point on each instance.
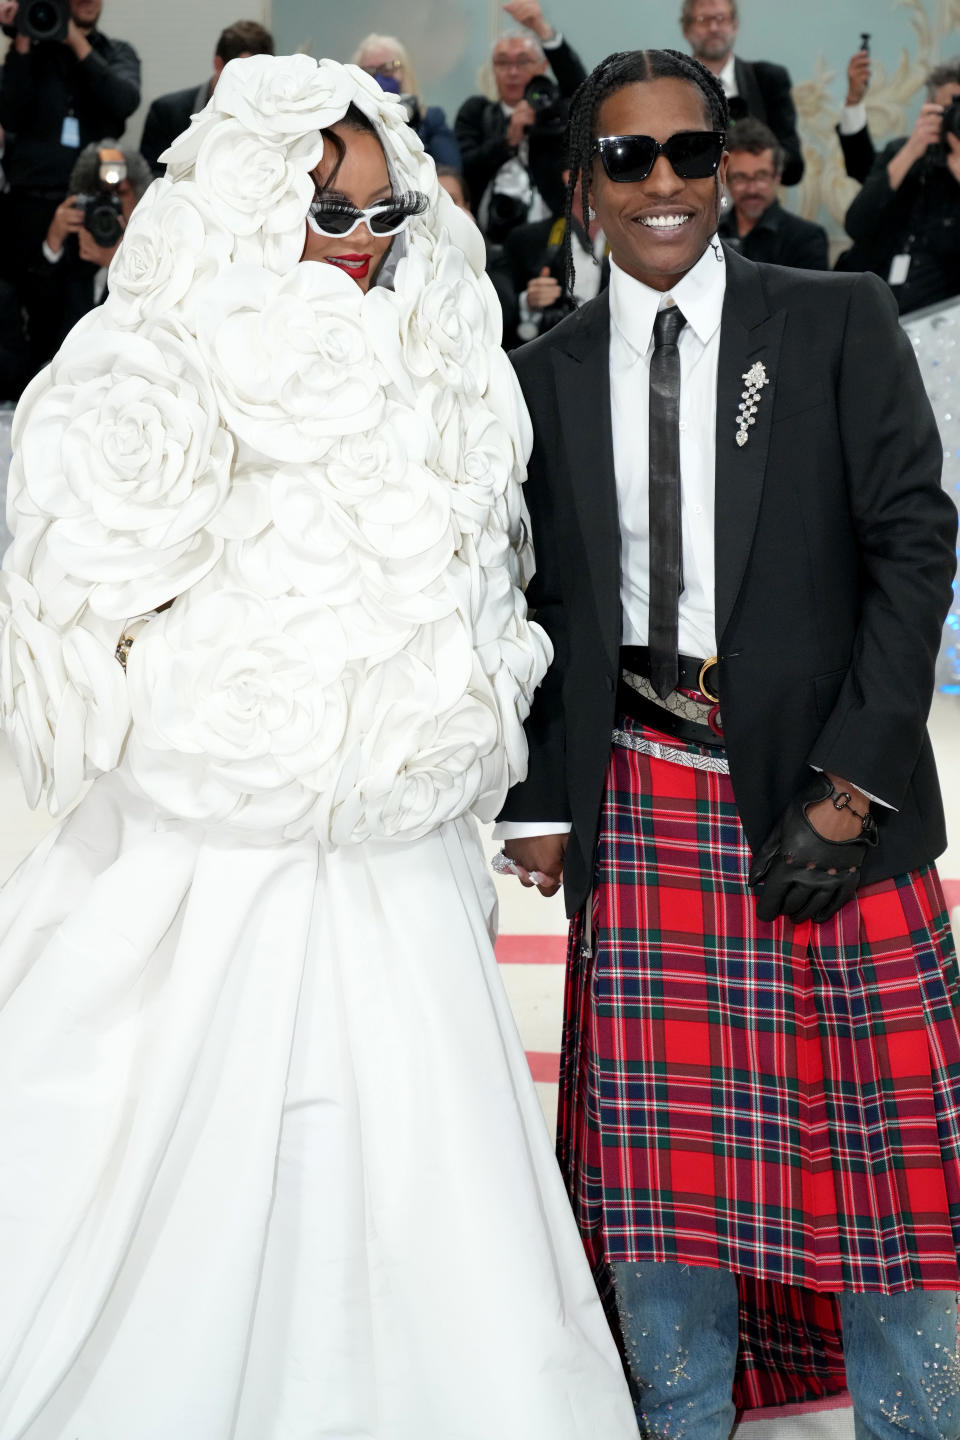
(702, 675)
(696, 720)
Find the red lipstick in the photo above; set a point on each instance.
(356, 265)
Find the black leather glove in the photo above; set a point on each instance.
(804, 875)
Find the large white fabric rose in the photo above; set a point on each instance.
(171, 247)
(253, 185)
(445, 328)
(239, 706)
(122, 446)
(291, 359)
(284, 102)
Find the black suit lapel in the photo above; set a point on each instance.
(748, 333)
(748, 89)
(582, 370)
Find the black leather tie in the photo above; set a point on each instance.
(666, 561)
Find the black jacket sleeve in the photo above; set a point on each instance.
(16, 90)
(567, 67)
(542, 796)
(113, 80)
(774, 83)
(858, 153)
(906, 529)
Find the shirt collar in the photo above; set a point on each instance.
(634, 306)
(727, 75)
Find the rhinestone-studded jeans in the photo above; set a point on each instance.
(679, 1325)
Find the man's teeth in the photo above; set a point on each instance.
(664, 222)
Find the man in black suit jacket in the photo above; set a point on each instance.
(512, 154)
(753, 87)
(169, 115)
(757, 225)
(744, 560)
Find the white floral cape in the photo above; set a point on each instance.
(328, 482)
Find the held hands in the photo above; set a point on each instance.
(520, 121)
(544, 291)
(540, 855)
(810, 863)
(529, 13)
(858, 77)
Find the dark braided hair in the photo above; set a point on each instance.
(625, 67)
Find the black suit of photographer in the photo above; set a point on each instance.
(39, 90)
(920, 218)
(481, 131)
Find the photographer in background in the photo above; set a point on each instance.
(169, 115)
(531, 270)
(756, 224)
(905, 222)
(387, 59)
(513, 147)
(57, 94)
(69, 275)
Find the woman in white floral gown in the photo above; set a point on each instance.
(271, 1163)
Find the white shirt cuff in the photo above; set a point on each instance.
(527, 829)
(52, 256)
(554, 43)
(874, 799)
(852, 119)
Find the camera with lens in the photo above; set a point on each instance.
(950, 124)
(506, 211)
(43, 19)
(102, 217)
(543, 96)
(103, 210)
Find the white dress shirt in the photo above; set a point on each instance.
(633, 309)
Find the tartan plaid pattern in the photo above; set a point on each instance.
(782, 1101)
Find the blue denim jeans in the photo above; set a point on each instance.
(679, 1325)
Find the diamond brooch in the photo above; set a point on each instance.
(755, 378)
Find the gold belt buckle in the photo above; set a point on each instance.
(701, 685)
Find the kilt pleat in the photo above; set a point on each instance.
(779, 1100)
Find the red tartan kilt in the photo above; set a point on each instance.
(779, 1100)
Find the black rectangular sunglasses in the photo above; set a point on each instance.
(693, 154)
